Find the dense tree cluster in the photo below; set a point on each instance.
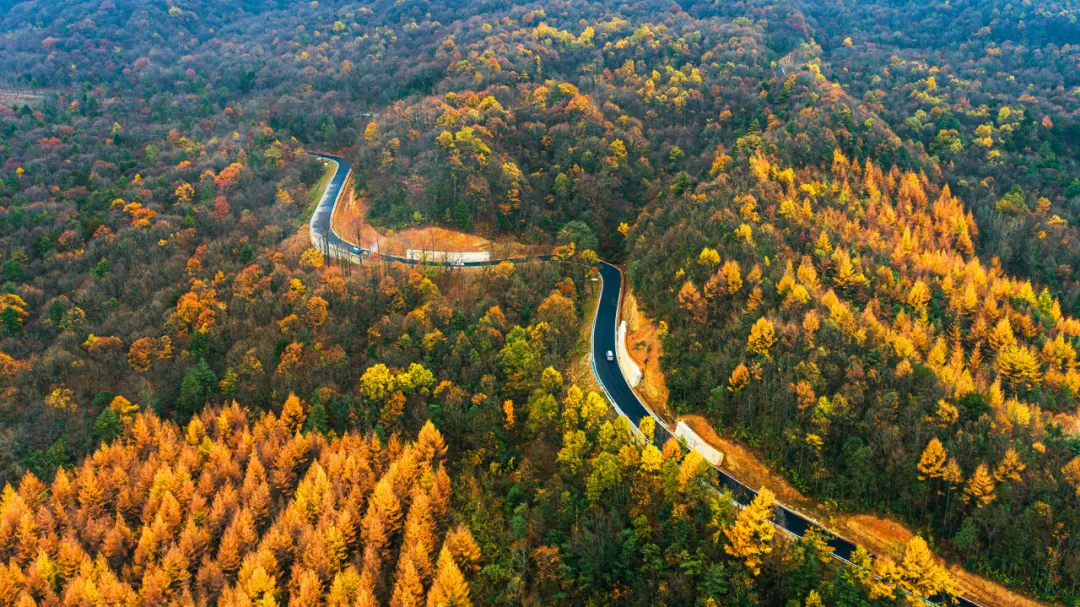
(993, 96)
(233, 513)
(837, 317)
(857, 220)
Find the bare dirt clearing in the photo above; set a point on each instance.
(349, 222)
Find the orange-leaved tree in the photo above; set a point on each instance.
(231, 512)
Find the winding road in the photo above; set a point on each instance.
(327, 240)
(608, 373)
(322, 232)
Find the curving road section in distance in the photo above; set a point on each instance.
(327, 240)
(608, 373)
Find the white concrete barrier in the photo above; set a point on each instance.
(629, 368)
(695, 442)
(447, 256)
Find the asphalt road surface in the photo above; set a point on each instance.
(323, 236)
(607, 372)
(603, 341)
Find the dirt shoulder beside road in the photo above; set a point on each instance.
(349, 223)
(643, 344)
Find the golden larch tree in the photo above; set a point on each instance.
(408, 588)
(932, 462)
(1009, 468)
(1071, 473)
(739, 379)
(449, 588)
(921, 574)
(750, 537)
(884, 579)
(732, 276)
(980, 487)
(292, 414)
(1019, 366)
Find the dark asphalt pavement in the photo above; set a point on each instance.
(322, 236)
(604, 335)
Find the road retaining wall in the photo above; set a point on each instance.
(448, 257)
(629, 368)
(695, 442)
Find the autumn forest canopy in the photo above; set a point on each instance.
(853, 225)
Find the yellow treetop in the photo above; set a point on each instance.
(1009, 468)
(408, 588)
(1019, 366)
(693, 465)
(430, 442)
(184, 193)
(709, 257)
(651, 458)
(732, 276)
(1071, 472)
(823, 245)
(508, 414)
(463, 547)
(811, 323)
(806, 273)
(124, 408)
(762, 337)
(919, 296)
(719, 162)
(883, 581)
(980, 487)
(292, 414)
(932, 462)
(1002, 335)
(740, 378)
(311, 258)
(750, 537)
(952, 473)
(371, 131)
(449, 588)
(195, 431)
(647, 426)
(921, 574)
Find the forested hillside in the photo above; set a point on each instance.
(856, 223)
